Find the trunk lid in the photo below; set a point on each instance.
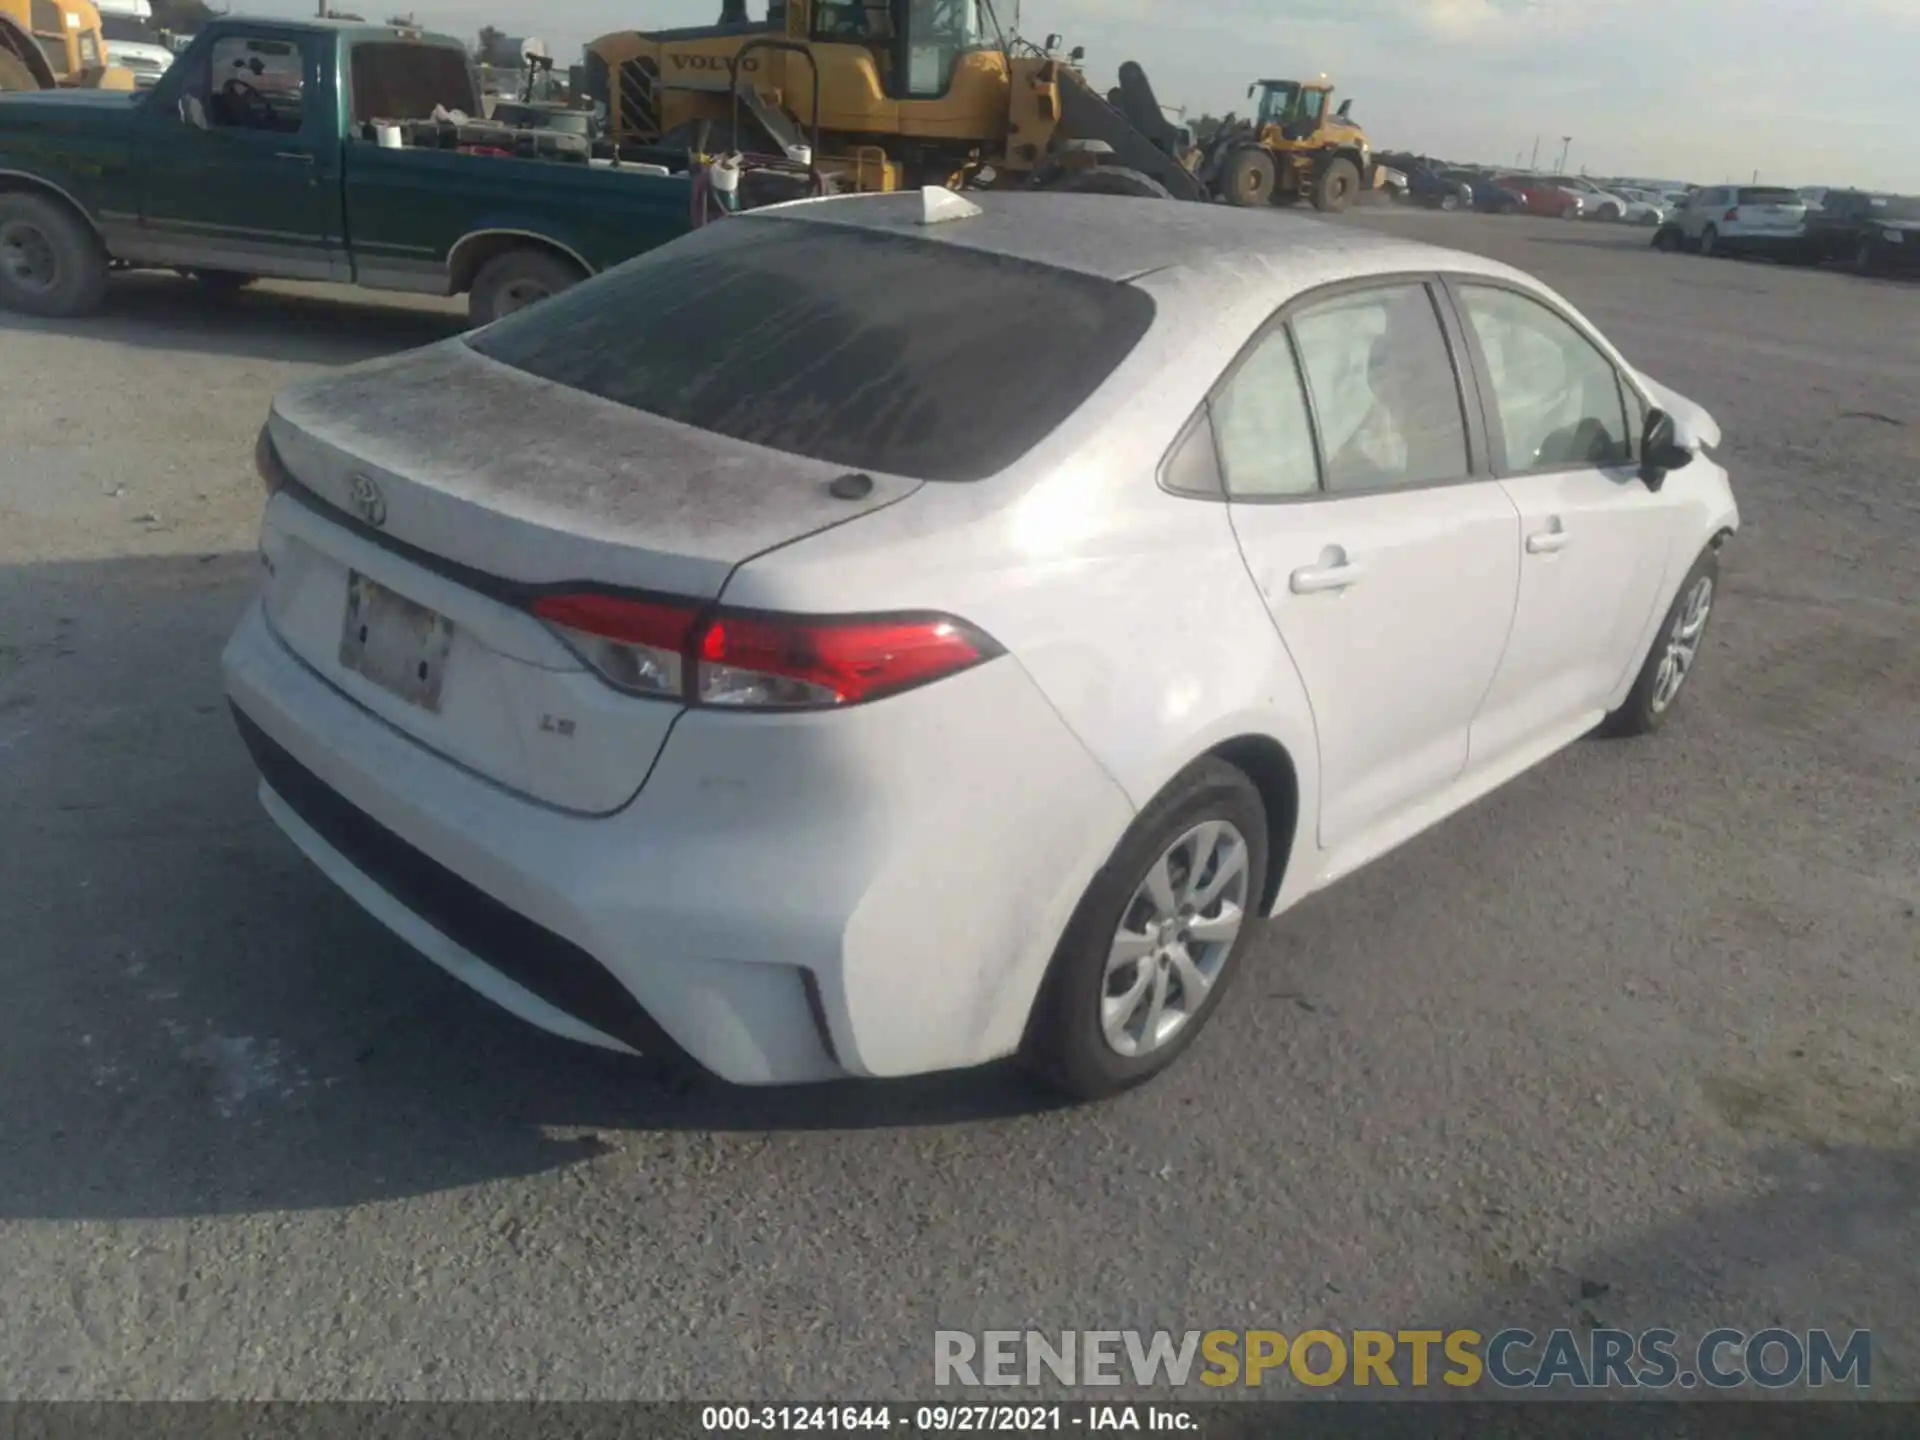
(444, 489)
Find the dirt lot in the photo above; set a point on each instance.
(1632, 1042)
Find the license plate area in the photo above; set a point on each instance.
(397, 644)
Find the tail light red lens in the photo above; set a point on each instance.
(1731, 216)
(749, 660)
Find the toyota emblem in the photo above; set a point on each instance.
(368, 503)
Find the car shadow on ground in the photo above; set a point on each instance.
(167, 312)
(233, 1033)
(1824, 1221)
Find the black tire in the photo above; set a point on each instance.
(1666, 238)
(1509, 207)
(1249, 178)
(1111, 180)
(1866, 259)
(14, 73)
(222, 282)
(1644, 711)
(51, 262)
(1608, 212)
(515, 279)
(1337, 186)
(1065, 1044)
(1710, 244)
(1450, 203)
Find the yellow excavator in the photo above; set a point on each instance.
(881, 95)
(46, 44)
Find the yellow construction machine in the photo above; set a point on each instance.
(880, 95)
(1292, 149)
(49, 43)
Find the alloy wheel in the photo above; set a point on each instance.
(1174, 938)
(1682, 644)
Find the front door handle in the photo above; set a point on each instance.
(1316, 579)
(299, 157)
(1550, 541)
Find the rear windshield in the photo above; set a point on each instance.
(1769, 195)
(859, 348)
(401, 80)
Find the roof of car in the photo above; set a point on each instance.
(1122, 238)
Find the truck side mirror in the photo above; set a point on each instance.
(192, 112)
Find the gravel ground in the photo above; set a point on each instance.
(1631, 1042)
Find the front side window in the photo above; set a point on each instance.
(1558, 398)
(1260, 423)
(1383, 388)
(255, 84)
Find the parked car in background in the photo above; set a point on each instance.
(1815, 196)
(1738, 220)
(1486, 196)
(746, 727)
(1867, 231)
(1598, 204)
(1644, 207)
(1427, 185)
(1543, 197)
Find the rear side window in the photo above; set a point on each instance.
(1383, 389)
(1769, 195)
(859, 348)
(396, 80)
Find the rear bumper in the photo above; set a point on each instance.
(873, 892)
(1765, 242)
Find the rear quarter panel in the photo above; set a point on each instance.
(1129, 606)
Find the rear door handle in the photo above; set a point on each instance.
(1315, 579)
(299, 157)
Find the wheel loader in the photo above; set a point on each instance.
(1291, 150)
(884, 95)
(46, 44)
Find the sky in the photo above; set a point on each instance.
(1806, 92)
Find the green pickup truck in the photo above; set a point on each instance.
(258, 154)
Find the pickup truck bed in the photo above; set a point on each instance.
(257, 155)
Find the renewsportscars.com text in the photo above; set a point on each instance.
(1511, 1359)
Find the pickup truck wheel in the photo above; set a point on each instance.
(51, 263)
(517, 279)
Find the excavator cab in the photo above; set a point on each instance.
(1295, 110)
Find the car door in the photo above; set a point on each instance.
(240, 165)
(1562, 426)
(1388, 564)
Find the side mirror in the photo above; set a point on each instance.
(1054, 42)
(1666, 445)
(192, 112)
(1346, 109)
(1077, 54)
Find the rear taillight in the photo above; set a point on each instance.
(749, 660)
(266, 460)
(1731, 215)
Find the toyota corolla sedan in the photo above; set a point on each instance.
(845, 644)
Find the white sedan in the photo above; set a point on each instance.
(837, 644)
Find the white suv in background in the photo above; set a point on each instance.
(1742, 220)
